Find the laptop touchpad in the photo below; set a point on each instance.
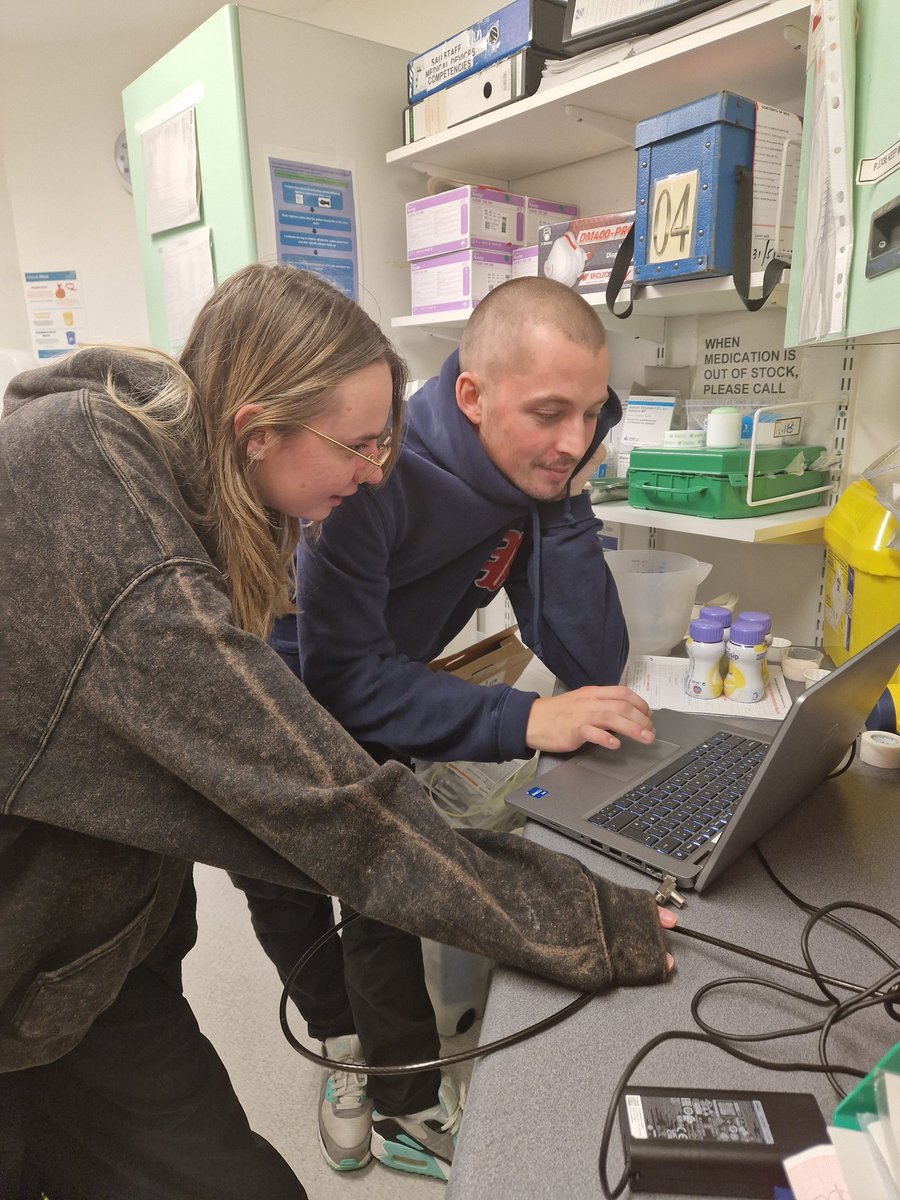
(630, 760)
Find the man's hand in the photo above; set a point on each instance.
(579, 480)
(588, 714)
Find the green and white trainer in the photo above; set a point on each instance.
(421, 1143)
(345, 1111)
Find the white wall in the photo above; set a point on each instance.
(13, 326)
(63, 206)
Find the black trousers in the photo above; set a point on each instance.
(369, 980)
(141, 1109)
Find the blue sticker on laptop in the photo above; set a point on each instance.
(537, 793)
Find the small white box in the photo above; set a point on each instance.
(465, 218)
(544, 212)
(524, 262)
(456, 282)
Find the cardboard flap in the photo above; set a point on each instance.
(499, 658)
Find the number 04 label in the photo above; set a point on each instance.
(673, 218)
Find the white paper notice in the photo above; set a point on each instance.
(776, 172)
(660, 681)
(171, 178)
(187, 272)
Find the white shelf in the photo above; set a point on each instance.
(451, 325)
(802, 525)
(747, 54)
(651, 305)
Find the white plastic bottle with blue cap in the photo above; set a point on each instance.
(766, 621)
(746, 652)
(705, 647)
(722, 617)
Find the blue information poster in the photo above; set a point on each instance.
(315, 221)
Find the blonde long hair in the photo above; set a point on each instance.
(279, 338)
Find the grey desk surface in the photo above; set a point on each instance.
(535, 1112)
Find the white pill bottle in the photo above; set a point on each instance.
(746, 651)
(705, 647)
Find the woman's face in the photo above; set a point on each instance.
(303, 474)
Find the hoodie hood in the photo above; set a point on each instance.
(85, 370)
(440, 432)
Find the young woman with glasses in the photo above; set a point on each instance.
(151, 506)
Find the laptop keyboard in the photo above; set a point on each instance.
(680, 812)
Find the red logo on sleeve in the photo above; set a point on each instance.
(493, 573)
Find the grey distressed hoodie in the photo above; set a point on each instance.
(143, 730)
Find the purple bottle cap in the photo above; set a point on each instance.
(705, 631)
(747, 632)
(717, 613)
(764, 619)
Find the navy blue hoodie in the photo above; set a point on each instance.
(400, 569)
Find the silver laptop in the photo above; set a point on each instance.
(705, 790)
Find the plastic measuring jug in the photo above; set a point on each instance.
(657, 589)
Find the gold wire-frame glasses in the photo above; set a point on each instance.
(376, 461)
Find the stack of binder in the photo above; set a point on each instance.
(485, 66)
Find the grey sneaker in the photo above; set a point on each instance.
(345, 1111)
(423, 1147)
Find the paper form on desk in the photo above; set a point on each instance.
(816, 1175)
(660, 681)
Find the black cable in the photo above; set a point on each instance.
(446, 1060)
(846, 765)
(885, 991)
(808, 908)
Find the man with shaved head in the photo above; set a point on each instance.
(487, 494)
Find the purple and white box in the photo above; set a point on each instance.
(465, 218)
(456, 282)
(524, 262)
(544, 212)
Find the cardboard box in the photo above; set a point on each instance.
(465, 218)
(687, 186)
(456, 282)
(524, 262)
(500, 658)
(544, 212)
(580, 253)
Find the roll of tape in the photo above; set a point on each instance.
(880, 749)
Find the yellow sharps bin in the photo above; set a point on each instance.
(862, 571)
(862, 575)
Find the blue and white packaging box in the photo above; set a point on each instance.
(465, 218)
(523, 23)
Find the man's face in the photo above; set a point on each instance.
(537, 416)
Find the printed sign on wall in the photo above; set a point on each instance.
(56, 314)
(315, 221)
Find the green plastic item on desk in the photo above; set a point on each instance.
(863, 1100)
(613, 488)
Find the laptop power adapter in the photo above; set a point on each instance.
(715, 1143)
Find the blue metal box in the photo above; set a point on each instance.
(687, 187)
